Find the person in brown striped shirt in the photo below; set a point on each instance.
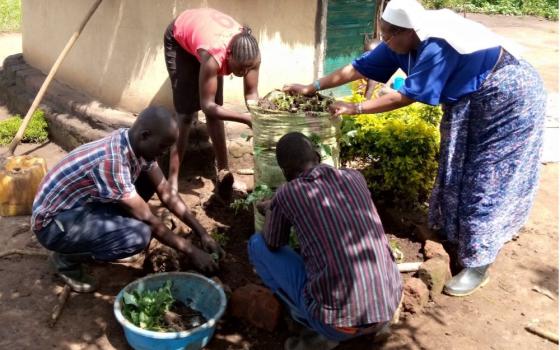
(344, 282)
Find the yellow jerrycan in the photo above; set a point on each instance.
(20, 177)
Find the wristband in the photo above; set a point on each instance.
(317, 85)
(359, 108)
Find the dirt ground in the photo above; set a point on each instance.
(493, 318)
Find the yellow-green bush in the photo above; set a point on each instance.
(36, 131)
(396, 151)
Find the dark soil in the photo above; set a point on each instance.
(182, 317)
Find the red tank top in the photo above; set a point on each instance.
(206, 29)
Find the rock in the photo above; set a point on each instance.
(434, 273)
(434, 249)
(237, 148)
(257, 305)
(415, 295)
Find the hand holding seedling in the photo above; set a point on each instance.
(299, 89)
(263, 206)
(211, 246)
(203, 261)
(339, 108)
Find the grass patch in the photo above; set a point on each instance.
(542, 8)
(36, 131)
(10, 15)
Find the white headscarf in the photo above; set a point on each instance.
(464, 35)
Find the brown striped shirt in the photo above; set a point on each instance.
(352, 277)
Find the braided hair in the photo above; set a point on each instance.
(244, 46)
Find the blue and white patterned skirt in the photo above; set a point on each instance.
(491, 143)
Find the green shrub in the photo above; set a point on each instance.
(36, 131)
(396, 151)
(10, 15)
(542, 8)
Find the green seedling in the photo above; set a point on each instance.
(297, 103)
(323, 149)
(146, 309)
(396, 250)
(260, 193)
(221, 238)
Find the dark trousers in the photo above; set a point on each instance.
(103, 230)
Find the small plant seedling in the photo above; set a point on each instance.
(323, 149)
(146, 309)
(220, 237)
(260, 193)
(297, 103)
(396, 250)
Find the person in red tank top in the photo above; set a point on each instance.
(201, 46)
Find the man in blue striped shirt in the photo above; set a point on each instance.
(345, 282)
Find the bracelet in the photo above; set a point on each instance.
(317, 85)
(359, 108)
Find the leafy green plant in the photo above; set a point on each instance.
(10, 15)
(296, 103)
(36, 131)
(396, 250)
(397, 151)
(261, 192)
(221, 237)
(542, 8)
(146, 309)
(323, 149)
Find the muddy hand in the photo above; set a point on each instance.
(340, 108)
(212, 247)
(299, 89)
(203, 261)
(263, 206)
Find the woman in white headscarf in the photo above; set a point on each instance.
(491, 131)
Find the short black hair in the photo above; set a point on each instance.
(244, 46)
(294, 150)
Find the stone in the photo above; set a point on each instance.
(237, 148)
(434, 249)
(434, 273)
(257, 305)
(415, 295)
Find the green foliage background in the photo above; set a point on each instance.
(10, 15)
(543, 8)
(36, 131)
(397, 151)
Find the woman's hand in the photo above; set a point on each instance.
(299, 89)
(339, 108)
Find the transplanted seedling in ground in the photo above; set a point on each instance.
(157, 310)
(260, 193)
(396, 250)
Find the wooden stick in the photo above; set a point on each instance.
(57, 310)
(544, 292)
(49, 78)
(409, 266)
(553, 337)
(23, 252)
